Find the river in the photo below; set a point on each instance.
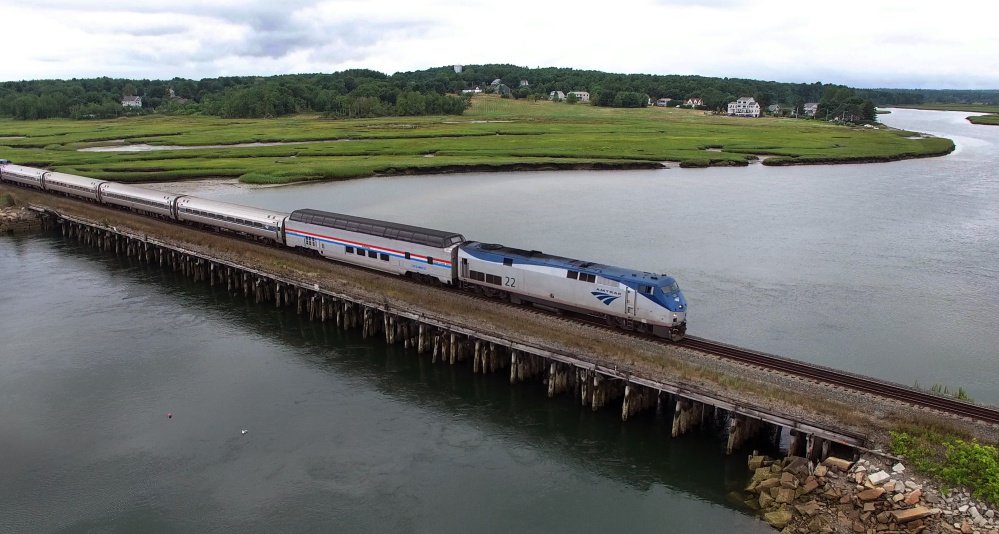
(886, 269)
(889, 270)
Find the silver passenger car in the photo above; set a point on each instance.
(265, 224)
(139, 199)
(381, 245)
(19, 174)
(72, 185)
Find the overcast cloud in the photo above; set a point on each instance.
(862, 43)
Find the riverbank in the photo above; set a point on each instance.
(16, 219)
(495, 134)
(874, 494)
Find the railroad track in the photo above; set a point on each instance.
(846, 380)
(773, 362)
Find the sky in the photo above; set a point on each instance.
(860, 43)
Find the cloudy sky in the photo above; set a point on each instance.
(862, 43)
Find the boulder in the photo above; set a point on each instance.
(784, 495)
(898, 468)
(870, 494)
(778, 518)
(788, 480)
(810, 485)
(766, 501)
(797, 466)
(911, 514)
(756, 462)
(837, 463)
(765, 485)
(809, 509)
(761, 473)
(913, 497)
(878, 477)
(821, 470)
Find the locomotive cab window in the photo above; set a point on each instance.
(645, 289)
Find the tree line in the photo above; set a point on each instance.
(367, 93)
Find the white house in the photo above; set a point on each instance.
(475, 91)
(693, 102)
(663, 102)
(746, 106)
(556, 96)
(131, 101)
(581, 96)
(811, 108)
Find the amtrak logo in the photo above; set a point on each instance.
(604, 297)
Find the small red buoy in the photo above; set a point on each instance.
(169, 416)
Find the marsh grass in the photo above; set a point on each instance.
(495, 134)
(992, 120)
(951, 458)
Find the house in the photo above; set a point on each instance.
(496, 82)
(523, 83)
(811, 108)
(694, 102)
(131, 101)
(745, 106)
(557, 96)
(774, 109)
(581, 96)
(503, 89)
(474, 91)
(663, 102)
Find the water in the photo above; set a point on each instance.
(342, 434)
(884, 269)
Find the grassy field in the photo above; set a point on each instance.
(495, 134)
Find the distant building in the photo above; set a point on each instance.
(131, 101)
(474, 91)
(581, 96)
(457, 68)
(774, 109)
(523, 83)
(503, 89)
(556, 96)
(693, 102)
(746, 106)
(663, 102)
(810, 108)
(497, 81)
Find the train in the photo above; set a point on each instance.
(629, 299)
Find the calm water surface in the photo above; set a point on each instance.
(890, 269)
(343, 435)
